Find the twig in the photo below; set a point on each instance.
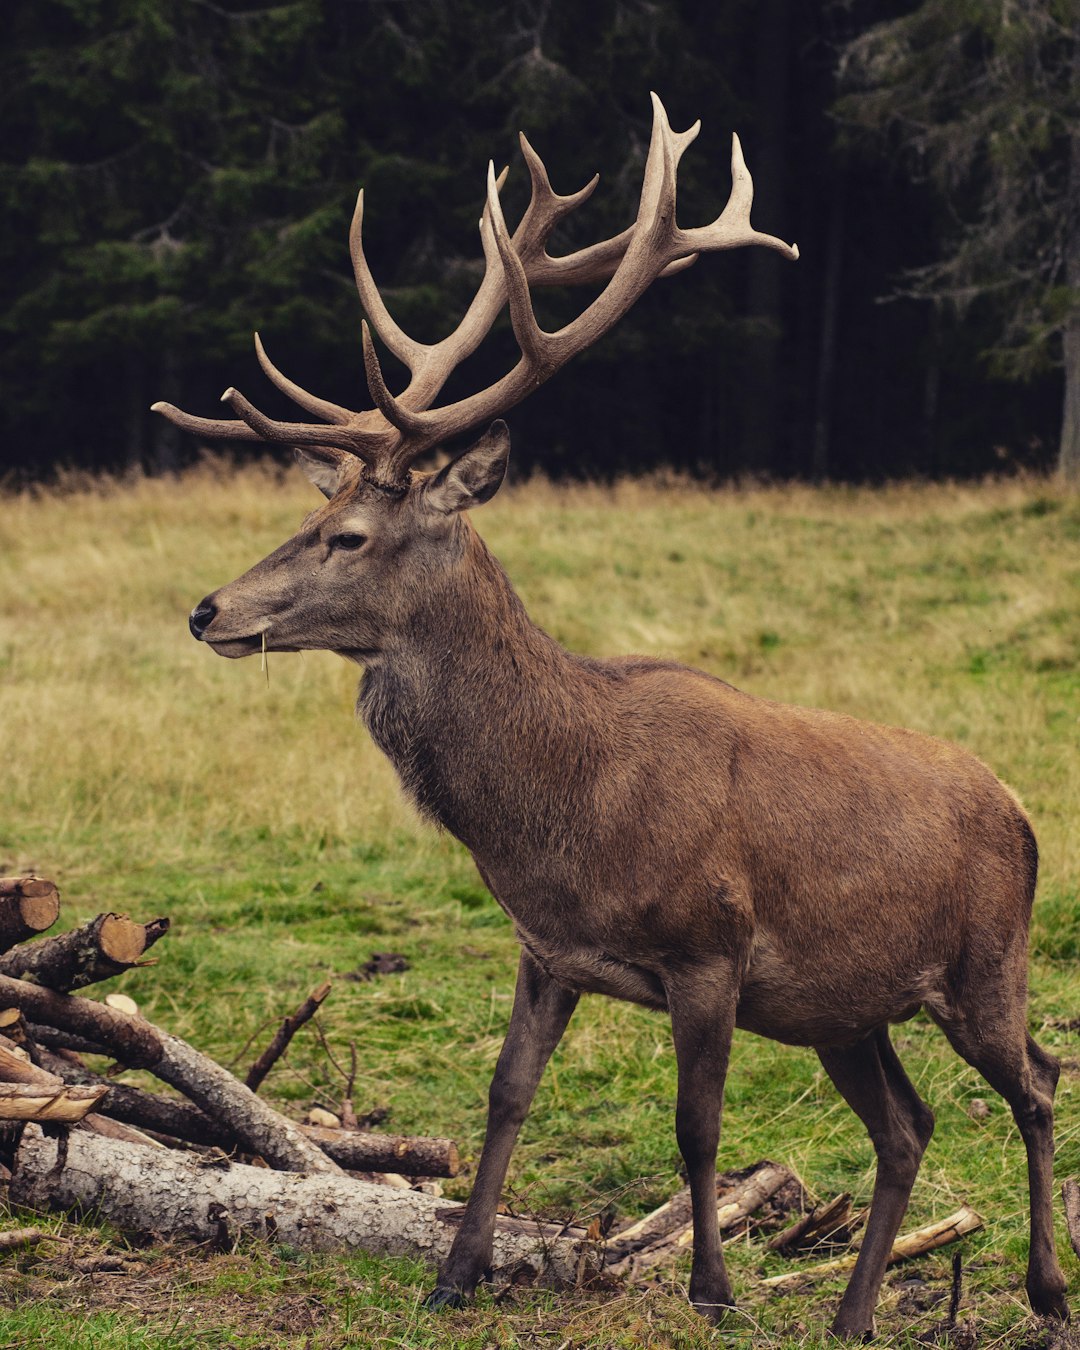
(288, 1029)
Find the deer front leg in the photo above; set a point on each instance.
(542, 1009)
(702, 1004)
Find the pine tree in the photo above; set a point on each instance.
(982, 99)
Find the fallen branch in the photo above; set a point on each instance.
(234, 1108)
(129, 1039)
(288, 1029)
(28, 905)
(100, 949)
(915, 1243)
(355, 1150)
(170, 1195)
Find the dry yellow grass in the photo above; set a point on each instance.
(946, 608)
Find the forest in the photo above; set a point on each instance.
(176, 174)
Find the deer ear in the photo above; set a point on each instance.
(472, 478)
(324, 473)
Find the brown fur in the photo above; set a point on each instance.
(659, 836)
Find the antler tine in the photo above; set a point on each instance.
(546, 206)
(530, 337)
(390, 407)
(214, 427)
(404, 347)
(366, 445)
(311, 403)
(732, 228)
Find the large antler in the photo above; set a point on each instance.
(390, 437)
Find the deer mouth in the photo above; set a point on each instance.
(234, 648)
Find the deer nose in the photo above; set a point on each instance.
(201, 617)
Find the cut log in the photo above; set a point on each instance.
(28, 906)
(919, 1240)
(288, 1029)
(115, 1129)
(40, 1101)
(100, 949)
(15, 1066)
(170, 1195)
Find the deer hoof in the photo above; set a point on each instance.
(445, 1296)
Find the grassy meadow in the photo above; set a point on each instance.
(148, 776)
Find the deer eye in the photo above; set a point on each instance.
(348, 541)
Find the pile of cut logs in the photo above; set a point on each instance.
(212, 1160)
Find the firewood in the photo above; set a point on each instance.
(100, 949)
(171, 1195)
(354, 1150)
(128, 1038)
(288, 1029)
(28, 905)
(361, 1152)
(39, 1101)
(15, 1067)
(736, 1205)
(915, 1243)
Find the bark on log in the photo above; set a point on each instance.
(354, 1150)
(915, 1243)
(288, 1029)
(129, 1039)
(170, 1195)
(28, 905)
(360, 1152)
(100, 949)
(1070, 1194)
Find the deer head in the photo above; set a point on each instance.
(386, 525)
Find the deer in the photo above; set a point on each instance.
(653, 833)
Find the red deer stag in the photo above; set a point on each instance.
(653, 833)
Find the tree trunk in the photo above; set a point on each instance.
(168, 1194)
(768, 156)
(1069, 449)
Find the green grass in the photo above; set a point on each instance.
(147, 776)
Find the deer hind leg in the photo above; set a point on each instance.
(996, 1042)
(542, 1009)
(872, 1081)
(702, 1005)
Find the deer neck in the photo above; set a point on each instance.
(482, 714)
